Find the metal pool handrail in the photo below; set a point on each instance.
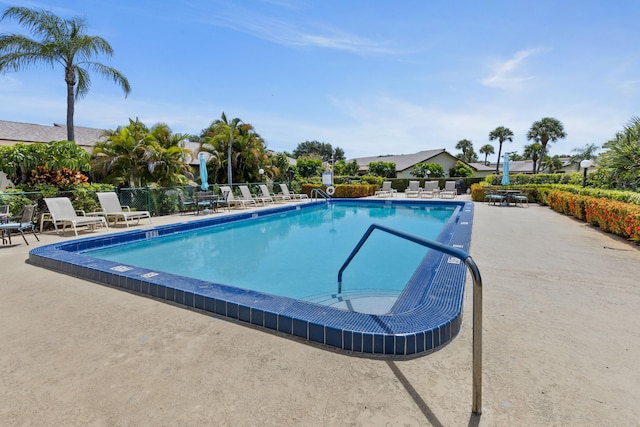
(476, 405)
(318, 192)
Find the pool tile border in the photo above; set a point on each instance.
(426, 317)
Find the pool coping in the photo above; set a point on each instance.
(427, 315)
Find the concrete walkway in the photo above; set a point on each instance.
(561, 347)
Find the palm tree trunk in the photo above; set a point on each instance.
(498, 163)
(70, 78)
(229, 172)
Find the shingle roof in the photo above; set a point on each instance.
(515, 166)
(29, 132)
(402, 161)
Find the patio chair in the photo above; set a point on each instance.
(493, 197)
(25, 223)
(291, 195)
(413, 190)
(449, 191)
(231, 200)
(246, 195)
(266, 194)
(431, 190)
(111, 208)
(520, 199)
(206, 201)
(62, 213)
(385, 190)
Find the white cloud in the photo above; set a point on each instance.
(509, 74)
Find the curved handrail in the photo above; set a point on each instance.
(319, 192)
(476, 397)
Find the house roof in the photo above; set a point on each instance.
(29, 132)
(402, 161)
(515, 166)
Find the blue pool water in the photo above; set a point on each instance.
(297, 254)
(425, 314)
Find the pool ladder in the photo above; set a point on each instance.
(318, 192)
(476, 398)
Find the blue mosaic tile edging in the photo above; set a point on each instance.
(427, 315)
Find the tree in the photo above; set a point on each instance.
(220, 136)
(383, 169)
(460, 170)
(170, 163)
(486, 150)
(61, 41)
(502, 134)
(308, 166)
(125, 156)
(468, 154)
(622, 156)
(552, 164)
(323, 150)
(532, 151)
(587, 152)
(420, 170)
(545, 130)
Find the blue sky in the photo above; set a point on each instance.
(372, 77)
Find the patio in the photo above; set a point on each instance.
(561, 346)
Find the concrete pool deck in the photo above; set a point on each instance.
(560, 339)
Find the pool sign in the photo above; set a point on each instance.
(327, 178)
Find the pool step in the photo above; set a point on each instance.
(362, 301)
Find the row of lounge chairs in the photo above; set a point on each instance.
(430, 190)
(228, 199)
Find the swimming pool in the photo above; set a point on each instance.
(426, 315)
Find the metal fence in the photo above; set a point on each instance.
(156, 200)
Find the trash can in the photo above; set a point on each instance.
(461, 187)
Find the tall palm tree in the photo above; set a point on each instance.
(468, 155)
(545, 130)
(228, 132)
(486, 150)
(532, 151)
(61, 41)
(622, 156)
(502, 134)
(171, 163)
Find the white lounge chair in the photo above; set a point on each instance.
(386, 190)
(287, 193)
(431, 190)
(232, 200)
(413, 190)
(62, 213)
(111, 208)
(246, 195)
(266, 195)
(449, 191)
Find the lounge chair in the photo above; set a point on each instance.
(246, 195)
(266, 195)
(25, 223)
(111, 208)
(413, 190)
(449, 191)
(233, 201)
(291, 195)
(62, 213)
(431, 190)
(386, 190)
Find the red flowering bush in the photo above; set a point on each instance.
(622, 219)
(62, 179)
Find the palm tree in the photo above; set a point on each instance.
(622, 157)
(468, 155)
(125, 157)
(171, 163)
(64, 42)
(227, 131)
(532, 151)
(502, 134)
(545, 130)
(552, 164)
(587, 152)
(486, 150)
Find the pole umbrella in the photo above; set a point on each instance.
(204, 177)
(505, 170)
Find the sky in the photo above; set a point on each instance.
(371, 77)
